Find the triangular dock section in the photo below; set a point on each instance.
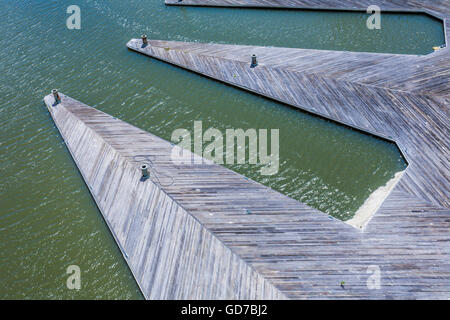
(169, 251)
(210, 233)
(402, 98)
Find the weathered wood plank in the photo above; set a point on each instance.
(170, 253)
(416, 121)
(433, 7)
(193, 239)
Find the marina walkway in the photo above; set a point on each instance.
(213, 234)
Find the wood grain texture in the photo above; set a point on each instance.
(319, 82)
(193, 239)
(402, 97)
(170, 253)
(434, 7)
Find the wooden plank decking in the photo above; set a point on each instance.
(171, 254)
(193, 238)
(434, 7)
(318, 81)
(402, 97)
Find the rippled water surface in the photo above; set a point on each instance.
(48, 220)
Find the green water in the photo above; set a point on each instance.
(48, 219)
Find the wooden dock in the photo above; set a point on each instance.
(168, 249)
(193, 238)
(436, 8)
(402, 97)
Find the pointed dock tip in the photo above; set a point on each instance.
(113, 171)
(53, 98)
(137, 43)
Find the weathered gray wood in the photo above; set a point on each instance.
(433, 7)
(194, 239)
(400, 97)
(170, 253)
(437, 8)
